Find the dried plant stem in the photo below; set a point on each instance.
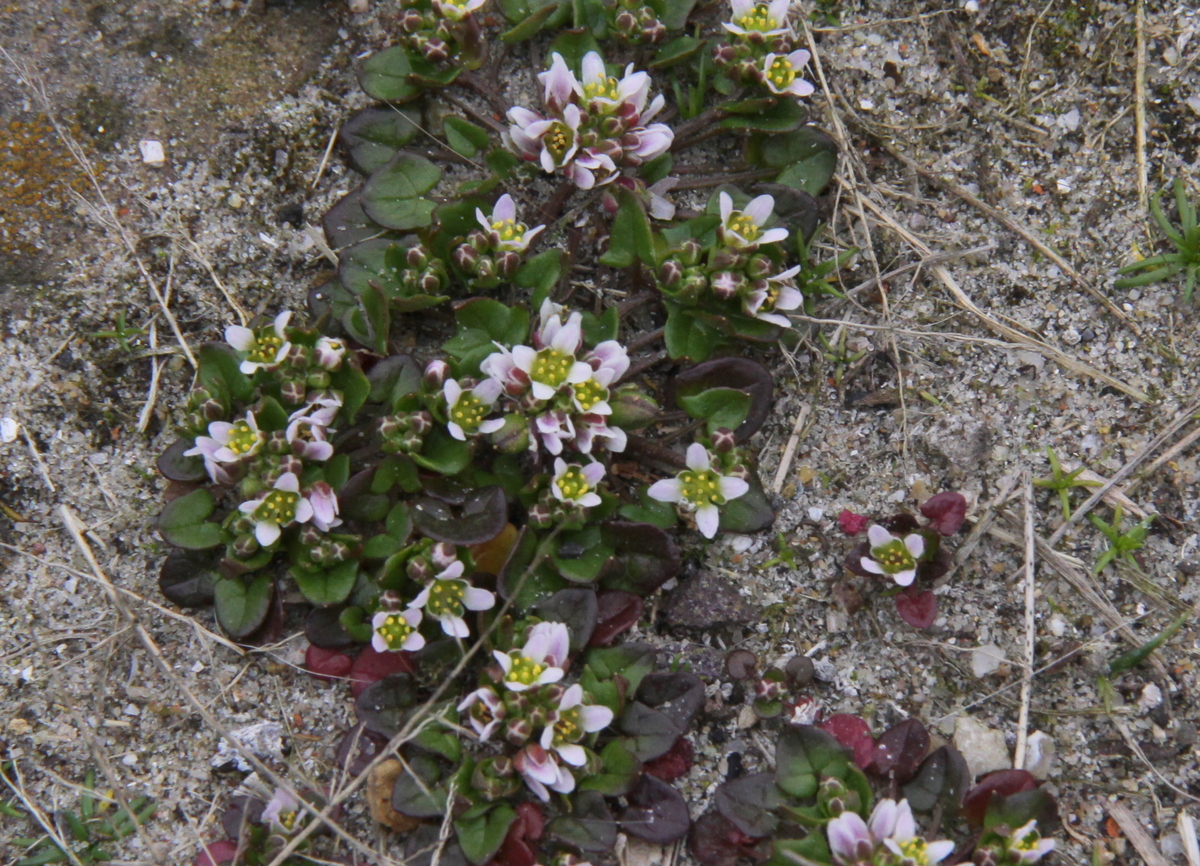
(789, 450)
(1139, 104)
(1030, 631)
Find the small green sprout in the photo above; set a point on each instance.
(1120, 544)
(1063, 482)
(121, 333)
(1186, 240)
(787, 555)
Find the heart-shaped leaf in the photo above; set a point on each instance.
(187, 578)
(673, 764)
(575, 607)
(918, 609)
(464, 137)
(346, 223)
(804, 755)
(620, 769)
(370, 665)
(715, 841)
(385, 75)
(1003, 783)
(900, 750)
(394, 196)
(717, 408)
(394, 378)
(644, 557)
(327, 585)
(417, 792)
(739, 374)
(483, 516)
(327, 665)
(749, 803)
(242, 606)
(688, 337)
(853, 733)
(443, 453)
(383, 705)
(589, 827)
(946, 511)
(616, 612)
(481, 830)
(943, 777)
(807, 158)
(184, 522)
(656, 812)
(174, 466)
(750, 512)
(373, 136)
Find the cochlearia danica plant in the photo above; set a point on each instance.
(468, 462)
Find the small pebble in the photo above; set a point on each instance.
(986, 660)
(983, 747)
(1039, 754)
(824, 670)
(1151, 697)
(1071, 336)
(816, 513)
(130, 760)
(8, 430)
(1057, 626)
(235, 201)
(152, 152)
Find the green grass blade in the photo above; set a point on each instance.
(1163, 223)
(1131, 659)
(1146, 279)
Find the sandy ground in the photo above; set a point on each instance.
(1011, 196)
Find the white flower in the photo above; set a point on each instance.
(610, 359)
(743, 228)
(263, 348)
(892, 556)
(276, 508)
(551, 143)
(514, 236)
(324, 504)
(779, 73)
(850, 840)
(329, 353)
(589, 428)
(553, 332)
(466, 410)
(501, 368)
(1028, 844)
(446, 597)
(559, 84)
(570, 721)
(307, 439)
(551, 368)
(207, 447)
(541, 770)
(576, 484)
(320, 407)
(539, 661)
(457, 10)
(701, 489)
(553, 428)
(661, 207)
(396, 630)
(761, 19)
(281, 811)
(234, 441)
(776, 295)
(893, 824)
(487, 711)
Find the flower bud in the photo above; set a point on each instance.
(479, 241)
(318, 380)
(245, 546)
(411, 21)
(277, 443)
(436, 50)
(421, 422)
(626, 23)
(212, 410)
(443, 555)
(692, 287)
(726, 284)
(541, 516)
(431, 281)
(611, 127)
(292, 392)
(391, 600)
(485, 268)
(436, 373)
(670, 274)
(513, 437)
(290, 463)
(507, 263)
(689, 252)
(419, 569)
(310, 536)
(723, 441)
(631, 408)
(518, 731)
(242, 524)
(739, 470)
(655, 32)
(759, 266)
(723, 55)
(416, 257)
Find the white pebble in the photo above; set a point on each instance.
(152, 152)
(816, 513)
(1151, 697)
(8, 430)
(986, 660)
(1057, 626)
(130, 760)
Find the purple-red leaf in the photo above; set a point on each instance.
(371, 665)
(675, 763)
(217, 853)
(853, 733)
(851, 523)
(715, 841)
(900, 750)
(327, 665)
(359, 748)
(1003, 783)
(740, 664)
(918, 609)
(656, 812)
(616, 612)
(946, 512)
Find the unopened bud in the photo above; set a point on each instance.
(290, 463)
(443, 555)
(212, 410)
(723, 440)
(293, 392)
(540, 516)
(416, 257)
(431, 282)
(277, 443)
(513, 437)
(518, 731)
(723, 55)
(245, 546)
(421, 422)
(759, 266)
(671, 273)
(419, 569)
(507, 263)
(631, 408)
(391, 600)
(318, 380)
(485, 268)
(310, 536)
(436, 373)
(626, 23)
(436, 50)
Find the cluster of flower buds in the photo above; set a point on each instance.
(492, 253)
(738, 270)
(707, 483)
(762, 48)
(440, 31)
(404, 433)
(524, 704)
(203, 406)
(635, 23)
(594, 127)
(326, 549)
(422, 272)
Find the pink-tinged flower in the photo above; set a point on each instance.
(235, 441)
(570, 721)
(743, 228)
(276, 508)
(589, 428)
(307, 440)
(514, 236)
(320, 407)
(554, 428)
(540, 661)
(541, 770)
(281, 812)
(264, 348)
(661, 207)
(893, 824)
(761, 303)
(551, 368)
(758, 19)
(591, 395)
(554, 333)
(610, 360)
(850, 839)
(647, 143)
(324, 504)
(487, 711)
(587, 165)
(500, 367)
(396, 630)
(466, 410)
(329, 353)
(780, 72)
(606, 94)
(551, 143)
(456, 10)
(893, 556)
(559, 84)
(1027, 843)
(207, 447)
(701, 489)
(576, 484)
(448, 595)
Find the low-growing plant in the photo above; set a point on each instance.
(1185, 238)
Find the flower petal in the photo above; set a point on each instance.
(732, 488)
(697, 458)
(708, 520)
(870, 565)
(667, 490)
(877, 536)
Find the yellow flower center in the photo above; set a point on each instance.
(244, 439)
(743, 226)
(287, 820)
(445, 598)
(604, 89)
(781, 73)
(572, 484)
(468, 412)
(914, 850)
(395, 631)
(759, 18)
(524, 670)
(551, 367)
(893, 557)
(266, 346)
(701, 488)
(509, 230)
(278, 506)
(559, 139)
(589, 393)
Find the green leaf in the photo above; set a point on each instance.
(811, 849)
(502, 161)
(392, 196)
(219, 371)
(271, 416)
(464, 137)
(592, 555)
(385, 76)
(374, 136)
(327, 586)
(620, 769)
(380, 547)
(597, 329)
(1133, 658)
(530, 25)
(750, 512)
(350, 380)
(678, 50)
(508, 325)
(675, 13)
(803, 755)
(480, 834)
(399, 522)
(242, 607)
(660, 514)
(784, 116)
(443, 453)
(421, 796)
(807, 158)
(631, 238)
(354, 620)
(688, 337)
(337, 471)
(573, 45)
(718, 407)
(184, 522)
(541, 274)
(632, 661)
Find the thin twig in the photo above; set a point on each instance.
(1030, 632)
(789, 450)
(1139, 104)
